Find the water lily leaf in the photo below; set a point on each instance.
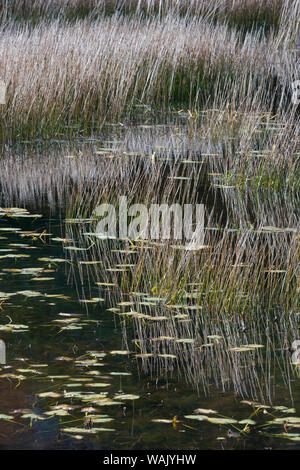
(13, 327)
(197, 417)
(222, 420)
(57, 413)
(32, 416)
(3, 416)
(98, 384)
(55, 377)
(71, 327)
(126, 397)
(86, 431)
(121, 352)
(255, 404)
(185, 340)
(94, 300)
(89, 263)
(167, 421)
(107, 402)
(30, 371)
(204, 411)
(106, 284)
(288, 419)
(125, 304)
(167, 356)
(52, 260)
(120, 373)
(12, 255)
(101, 420)
(29, 293)
(49, 395)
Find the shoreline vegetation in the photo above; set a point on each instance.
(240, 14)
(68, 77)
(162, 102)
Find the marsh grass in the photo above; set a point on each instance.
(186, 311)
(246, 16)
(238, 302)
(252, 224)
(248, 278)
(218, 75)
(67, 78)
(244, 286)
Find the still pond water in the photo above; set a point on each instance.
(71, 378)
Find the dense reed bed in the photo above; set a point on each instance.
(68, 78)
(247, 15)
(216, 76)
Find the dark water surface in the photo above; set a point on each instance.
(44, 359)
(73, 377)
